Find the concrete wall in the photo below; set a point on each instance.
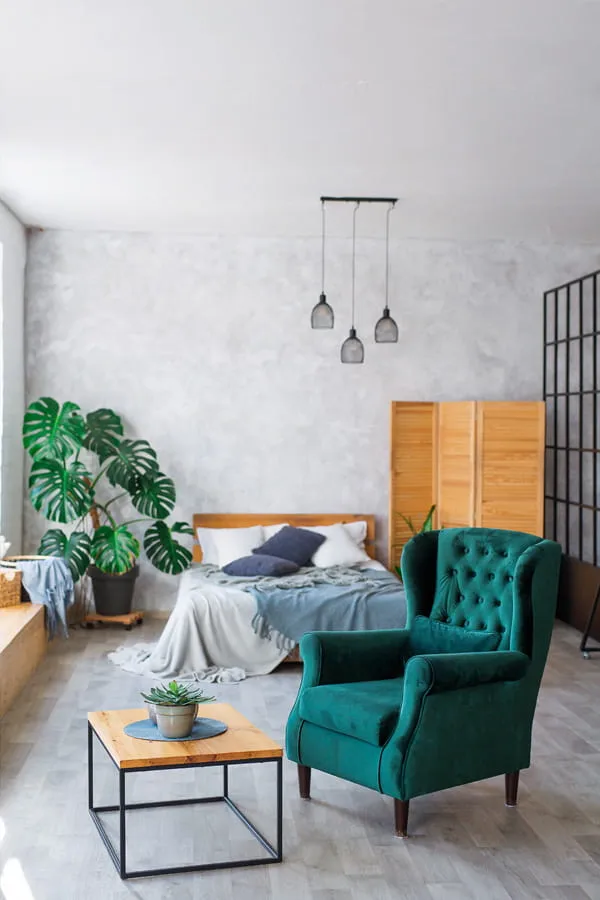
(204, 345)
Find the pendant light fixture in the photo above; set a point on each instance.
(322, 313)
(386, 330)
(353, 350)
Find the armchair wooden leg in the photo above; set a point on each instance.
(401, 817)
(511, 784)
(304, 781)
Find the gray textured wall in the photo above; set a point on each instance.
(12, 381)
(204, 345)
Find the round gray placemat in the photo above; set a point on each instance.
(146, 730)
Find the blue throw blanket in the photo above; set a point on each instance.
(373, 600)
(49, 581)
(339, 598)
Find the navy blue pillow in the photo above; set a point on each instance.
(296, 544)
(260, 565)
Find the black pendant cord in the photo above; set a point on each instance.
(322, 246)
(354, 256)
(387, 254)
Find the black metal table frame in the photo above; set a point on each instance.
(275, 854)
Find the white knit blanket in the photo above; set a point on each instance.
(208, 637)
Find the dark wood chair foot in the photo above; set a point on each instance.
(304, 781)
(511, 785)
(401, 817)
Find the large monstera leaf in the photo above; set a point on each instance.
(104, 432)
(114, 550)
(51, 431)
(153, 496)
(133, 459)
(59, 490)
(163, 551)
(75, 549)
(182, 528)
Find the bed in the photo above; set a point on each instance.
(225, 628)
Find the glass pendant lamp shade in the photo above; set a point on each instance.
(322, 314)
(352, 349)
(386, 330)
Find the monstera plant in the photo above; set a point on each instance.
(78, 462)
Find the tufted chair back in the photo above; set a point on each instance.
(475, 578)
(481, 579)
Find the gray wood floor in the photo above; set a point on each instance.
(465, 844)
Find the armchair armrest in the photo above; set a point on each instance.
(436, 672)
(335, 657)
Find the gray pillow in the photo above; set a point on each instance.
(296, 544)
(260, 565)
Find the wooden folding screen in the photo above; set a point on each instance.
(480, 462)
(411, 488)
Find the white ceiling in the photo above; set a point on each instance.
(233, 116)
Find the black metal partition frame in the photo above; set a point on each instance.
(571, 377)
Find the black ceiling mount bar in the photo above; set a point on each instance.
(359, 199)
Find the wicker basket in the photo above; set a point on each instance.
(14, 561)
(10, 586)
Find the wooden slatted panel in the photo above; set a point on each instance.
(411, 470)
(510, 466)
(455, 446)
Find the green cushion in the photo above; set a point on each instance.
(367, 710)
(430, 636)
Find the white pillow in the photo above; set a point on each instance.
(357, 531)
(270, 530)
(221, 546)
(339, 548)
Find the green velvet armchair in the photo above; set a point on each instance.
(449, 699)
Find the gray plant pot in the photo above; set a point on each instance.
(151, 711)
(176, 721)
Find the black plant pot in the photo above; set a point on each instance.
(113, 594)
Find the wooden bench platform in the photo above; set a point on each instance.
(23, 642)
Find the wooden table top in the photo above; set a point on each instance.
(242, 740)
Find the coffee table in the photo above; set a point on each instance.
(242, 744)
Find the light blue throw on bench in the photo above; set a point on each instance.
(49, 582)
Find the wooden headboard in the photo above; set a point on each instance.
(245, 520)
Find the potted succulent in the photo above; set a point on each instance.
(80, 466)
(173, 707)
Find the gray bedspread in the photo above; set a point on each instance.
(333, 599)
